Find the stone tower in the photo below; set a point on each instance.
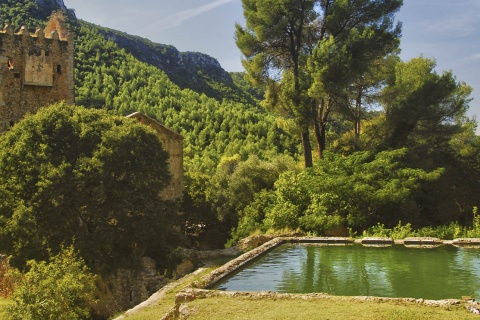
(36, 69)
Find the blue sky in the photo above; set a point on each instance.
(446, 30)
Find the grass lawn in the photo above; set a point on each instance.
(331, 309)
(3, 306)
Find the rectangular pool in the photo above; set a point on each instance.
(444, 272)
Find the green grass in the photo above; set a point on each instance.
(233, 308)
(4, 302)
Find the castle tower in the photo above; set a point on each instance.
(36, 69)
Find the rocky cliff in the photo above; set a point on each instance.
(52, 4)
(187, 69)
(193, 70)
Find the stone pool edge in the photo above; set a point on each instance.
(228, 268)
(202, 289)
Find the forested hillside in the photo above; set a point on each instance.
(242, 150)
(107, 76)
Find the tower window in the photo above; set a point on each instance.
(59, 69)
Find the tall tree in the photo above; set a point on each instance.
(339, 37)
(423, 105)
(278, 38)
(355, 36)
(74, 173)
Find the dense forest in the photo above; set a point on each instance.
(394, 146)
(239, 147)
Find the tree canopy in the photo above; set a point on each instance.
(308, 53)
(63, 289)
(69, 173)
(330, 72)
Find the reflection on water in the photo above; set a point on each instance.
(354, 270)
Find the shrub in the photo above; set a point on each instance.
(6, 282)
(62, 289)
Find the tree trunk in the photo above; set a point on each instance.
(320, 125)
(318, 135)
(307, 148)
(357, 115)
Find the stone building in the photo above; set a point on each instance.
(36, 69)
(173, 144)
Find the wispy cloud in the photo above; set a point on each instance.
(475, 56)
(462, 20)
(178, 18)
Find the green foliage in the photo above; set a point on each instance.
(107, 77)
(447, 232)
(28, 13)
(96, 175)
(422, 105)
(21, 13)
(63, 288)
(355, 191)
(343, 55)
(474, 232)
(310, 56)
(236, 184)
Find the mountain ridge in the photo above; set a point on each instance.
(189, 70)
(197, 67)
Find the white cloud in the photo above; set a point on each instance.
(453, 19)
(475, 56)
(178, 18)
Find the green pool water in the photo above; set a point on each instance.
(445, 272)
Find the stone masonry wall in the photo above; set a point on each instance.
(36, 70)
(173, 144)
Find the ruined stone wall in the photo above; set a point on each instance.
(36, 70)
(173, 144)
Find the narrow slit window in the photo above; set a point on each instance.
(59, 69)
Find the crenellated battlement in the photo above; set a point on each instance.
(36, 69)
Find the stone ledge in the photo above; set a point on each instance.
(220, 273)
(322, 240)
(377, 240)
(466, 242)
(422, 241)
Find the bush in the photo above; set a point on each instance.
(6, 282)
(95, 174)
(475, 231)
(61, 289)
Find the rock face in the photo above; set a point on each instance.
(125, 288)
(52, 5)
(191, 70)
